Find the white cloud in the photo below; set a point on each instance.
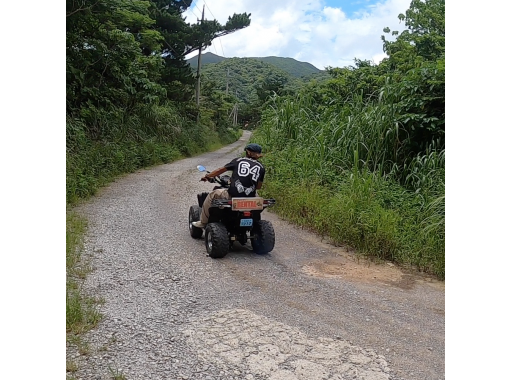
(306, 30)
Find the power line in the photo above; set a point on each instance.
(198, 19)
(198, 73)
(191, 9)
(214, 45)
(219, 38)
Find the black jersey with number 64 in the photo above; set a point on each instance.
(246, 173)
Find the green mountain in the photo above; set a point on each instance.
(294, 68)
(206, 59)
(244, 77)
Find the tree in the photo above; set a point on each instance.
(104, 61)
(364, 78)
(416, 61)
(181, 38)
(424, 38)
(125, 56)
(271, 84)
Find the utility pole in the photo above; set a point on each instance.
(233, 115)
(197, 93)
(236, 108)
(228, 71)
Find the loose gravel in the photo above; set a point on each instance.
(172, 312)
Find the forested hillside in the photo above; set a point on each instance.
(291, 66)
(249, 82)
(206, 59)
(129, 90)
(247, 79)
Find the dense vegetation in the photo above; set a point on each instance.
(295, 68)
(291, 66)
(206, 59)
(251, 81)
(129, 89)
(361, 157)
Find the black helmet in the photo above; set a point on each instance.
(254, 148)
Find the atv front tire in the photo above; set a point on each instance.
(263, 237)
(194, 216)
(216, 240)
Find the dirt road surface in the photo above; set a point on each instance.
(306, 311)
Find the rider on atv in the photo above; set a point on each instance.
(247, 177)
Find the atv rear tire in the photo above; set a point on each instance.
(216, 240)
(194, 216)
(263, 237)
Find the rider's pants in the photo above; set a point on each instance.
(215, 194)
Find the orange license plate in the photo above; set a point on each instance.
(254, 203)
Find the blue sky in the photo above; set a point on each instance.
(351, 7)
(321, 32)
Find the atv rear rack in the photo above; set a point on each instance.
(228, 202)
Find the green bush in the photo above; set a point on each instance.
(103, 144)
(342, 170)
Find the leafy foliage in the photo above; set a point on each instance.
(129, 88)
(244, 76)
(361, 157)
(417, 63)
(291, 66)
(251, 82)
(364, 78)
(424, 38)
(121, 53)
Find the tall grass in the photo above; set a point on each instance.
(81, 311)
(102, 144)
(344, 170)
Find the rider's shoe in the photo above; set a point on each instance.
(198, 224)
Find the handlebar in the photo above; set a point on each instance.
(223, 181)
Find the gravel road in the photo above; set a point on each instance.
(306, 311)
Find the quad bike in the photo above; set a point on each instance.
(230, 220)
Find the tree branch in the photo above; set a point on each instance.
(81, 9)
